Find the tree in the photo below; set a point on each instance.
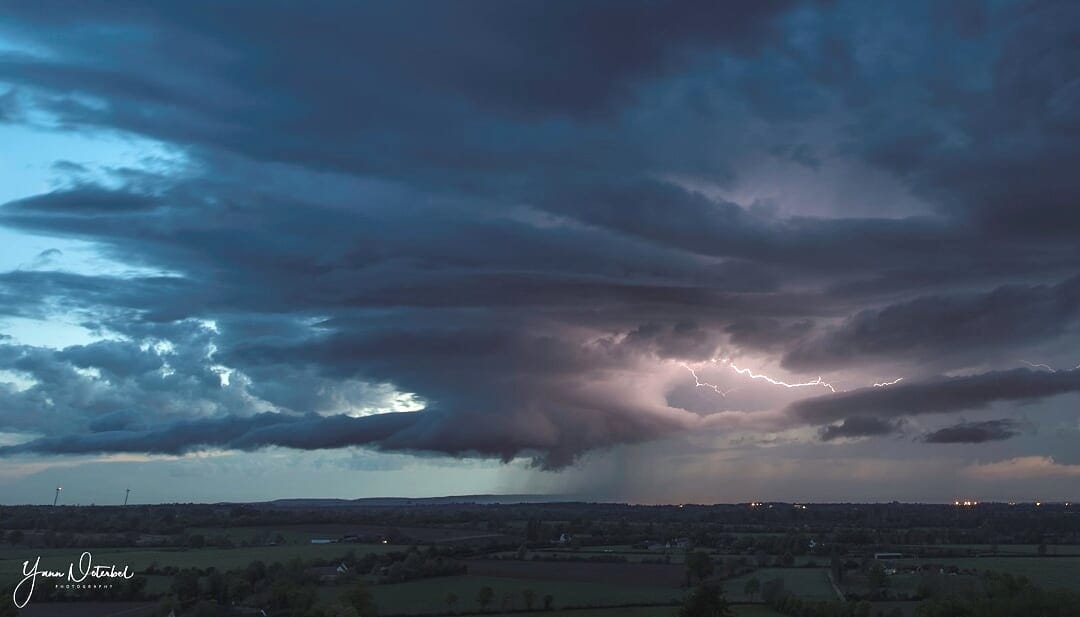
(7, 607)
(549, 602)
(877, 577)
(359, 598)
(340, 610)
(699, 564)
(530, 598)
(929, 585)
(217, 587)
(206, 608)
(451, 601)
(484, 597)
(752, 587)
(168, 604)
(533, 530)
(186, 585)
(772, 590)
(707, 600)
(292, 597)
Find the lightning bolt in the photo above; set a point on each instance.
(777, 382)
(889, 383)
(1048, 367)
(1043, 366)
(762, 377)
(816, 382)
(704, 384)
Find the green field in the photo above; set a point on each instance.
(631, 556)
(1049, 572)
(755, 610)
(908, 608)
(740, 610)
(221, 558)
(629, 611)
(908, 584)
(428, 596)
(293, 534)
(1002, 549)
(807, 583)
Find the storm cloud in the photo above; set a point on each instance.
(859, 426)
(954, 324)
(975, 432)
(942, 395)
(508, 229)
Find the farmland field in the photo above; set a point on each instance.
(1050, 572)
(625, 611)
(303, 534)
(808, 583)
(907, 608)
(1002, 549)
(613, 578)
(617, 573)
(627, 553)
(755, 610)
(740, 610)
(222, 558)
(427, 596)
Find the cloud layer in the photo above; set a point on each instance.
(501, 229)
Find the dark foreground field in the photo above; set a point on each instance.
(572, 560)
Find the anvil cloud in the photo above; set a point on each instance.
(497, 230)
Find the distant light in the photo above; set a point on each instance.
(1038, 503)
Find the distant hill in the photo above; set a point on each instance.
(419, 501)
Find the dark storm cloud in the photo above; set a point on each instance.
(859, 426)
(116, 421)
(767, 334)
(418, 432)
(997, 144)
(309, 432)
(523, 212)
(975, 432)
(932, 325)
(942, 395)
(88, 201)
(117, 359)
(485, 70)
(666, 214)
(28, 293)
(457, 433)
